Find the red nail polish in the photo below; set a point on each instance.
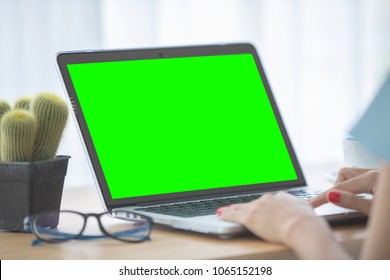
(334, 196)
(219, 212)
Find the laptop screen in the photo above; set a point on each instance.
(181, 124)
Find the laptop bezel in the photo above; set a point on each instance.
(89, 56)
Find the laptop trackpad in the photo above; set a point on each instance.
(333, 213)
(331, 209)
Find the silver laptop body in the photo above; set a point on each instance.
(164, 127)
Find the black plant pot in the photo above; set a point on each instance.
(28, 188)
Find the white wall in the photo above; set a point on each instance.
(324, 58)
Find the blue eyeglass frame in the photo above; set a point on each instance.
(30, 226)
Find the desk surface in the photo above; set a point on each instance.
(165, 244)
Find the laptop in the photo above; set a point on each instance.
(176, 132)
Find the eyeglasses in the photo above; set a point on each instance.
(60, 226)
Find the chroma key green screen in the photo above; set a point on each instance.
(173, 125)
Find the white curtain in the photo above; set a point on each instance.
(31, 33)
(324, 58)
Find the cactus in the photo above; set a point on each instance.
(23, 103)
(18, 130)
(4, 108)
(51, 113)
(33, 130)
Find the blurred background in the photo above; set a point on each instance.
(324, 58)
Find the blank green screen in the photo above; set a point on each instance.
(180, 124)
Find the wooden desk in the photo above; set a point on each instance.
(165, 244)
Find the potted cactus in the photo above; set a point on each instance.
(31, 174)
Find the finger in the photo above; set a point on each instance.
(362, 183)
(319, 200)
(355, 186)
(347, 173)
(344, 174)
(231, 213)
(359, 184)
(350, 201)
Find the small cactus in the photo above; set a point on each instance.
(23, 103)
(33, 129)
(51, 113)
(18, 130)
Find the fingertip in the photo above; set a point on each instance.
(317, 201)
(313, 203)
(350, 201)
(334, 196)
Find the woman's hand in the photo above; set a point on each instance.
(272, 217)
(349, 183)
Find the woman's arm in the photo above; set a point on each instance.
(312, 239)
(377, 244)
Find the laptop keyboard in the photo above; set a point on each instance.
(209, 206)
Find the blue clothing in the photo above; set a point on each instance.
(373, 128)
